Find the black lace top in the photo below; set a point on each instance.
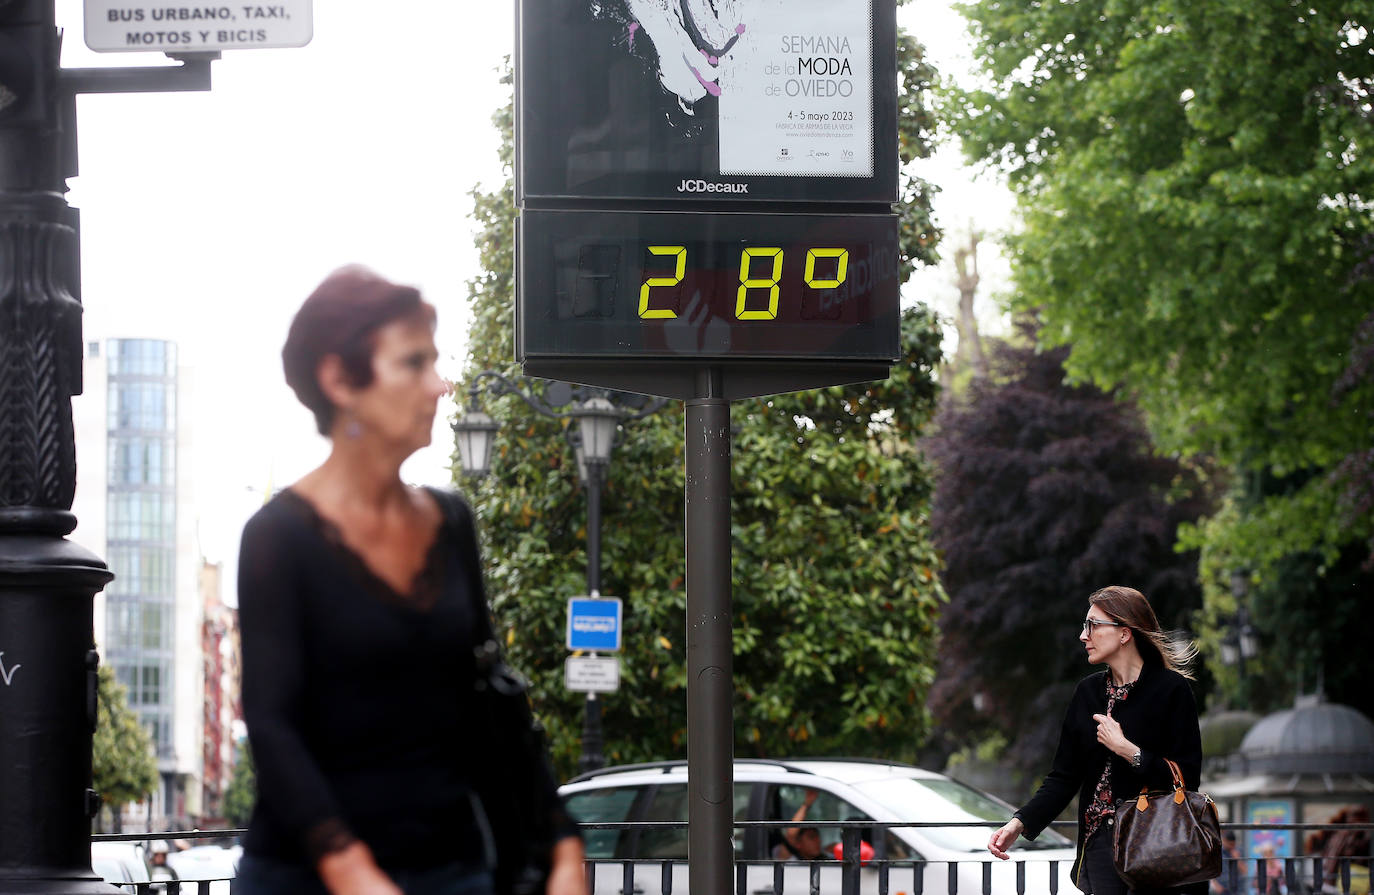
(357, 698)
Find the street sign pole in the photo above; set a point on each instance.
(710, 661)
(593, 749)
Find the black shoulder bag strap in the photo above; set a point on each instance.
(515, 779)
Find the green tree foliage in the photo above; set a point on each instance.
(835, 577)
(243, 788)
(835, 588)
(1309, 613)
(122, 762)
(1356, 472)
(1047, 492)
(1194, 183)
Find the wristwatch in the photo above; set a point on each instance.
(1135, 759)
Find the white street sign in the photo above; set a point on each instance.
(123, 26)
(592, 674)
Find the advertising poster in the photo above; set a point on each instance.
(1270, 843)
(708, 99)
(799, 100)
(795, 91)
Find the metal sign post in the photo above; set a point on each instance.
(710, 642)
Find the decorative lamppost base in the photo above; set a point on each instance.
(48, 705)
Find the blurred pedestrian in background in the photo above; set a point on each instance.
(1233, 873)
(362, 609)
(1269, 880)
(1121, 725)
(800, 843)
(1347, 846)
(158, 868)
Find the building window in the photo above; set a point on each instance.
(142, 357)
(141, 570)
(119, 625)
(141, 516)
(141, 460)
(159, 728)
(155, 627)
(146, 406)
(164, 736)
(151, 683)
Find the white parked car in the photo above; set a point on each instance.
(846, 790)
(119, 863)
(206, 862)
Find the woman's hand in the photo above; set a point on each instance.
(567, 876)
(353, 871)
(1109, 734)
(1003, 838)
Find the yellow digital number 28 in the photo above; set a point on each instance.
(747, 280)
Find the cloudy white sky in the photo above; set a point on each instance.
(207, 217)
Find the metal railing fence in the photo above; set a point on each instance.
(851, 875)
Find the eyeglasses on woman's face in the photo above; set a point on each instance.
(1092, 624)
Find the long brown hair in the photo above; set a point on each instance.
(1172, 649)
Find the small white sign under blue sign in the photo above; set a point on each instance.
(594, 623)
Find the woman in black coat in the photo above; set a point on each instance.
(1121, 725)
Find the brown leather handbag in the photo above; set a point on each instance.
(1166, 839)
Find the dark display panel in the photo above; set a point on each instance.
(683, 100)
(709, 286)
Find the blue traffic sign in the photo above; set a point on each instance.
(594, 623)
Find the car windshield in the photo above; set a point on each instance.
(941, 800)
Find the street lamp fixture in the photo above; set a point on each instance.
(474, 432)
(1241, 641)
(597, 420)
(598, 414)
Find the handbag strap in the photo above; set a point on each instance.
(1142, 801)
(1178, 780)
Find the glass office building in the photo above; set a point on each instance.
(141, 528)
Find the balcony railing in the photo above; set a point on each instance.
(977, 875)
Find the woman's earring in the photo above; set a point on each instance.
(353, 428)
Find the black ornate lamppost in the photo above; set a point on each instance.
(598, 413)
(1241, 641)
(47, 652)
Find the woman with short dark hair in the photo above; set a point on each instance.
(361, 607)
(1121, 726)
